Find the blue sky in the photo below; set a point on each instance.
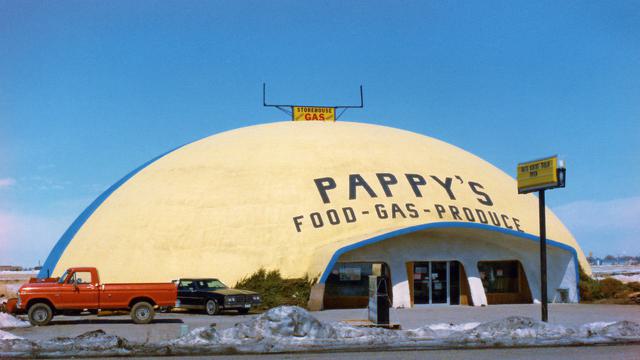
(90, 90)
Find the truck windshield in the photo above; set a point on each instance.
(63, 277)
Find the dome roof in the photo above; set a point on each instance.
(288, 196)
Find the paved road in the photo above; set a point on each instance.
(168, 326)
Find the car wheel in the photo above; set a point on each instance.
(211, 307)
(142, 313)
(243, 311)
(40, 314)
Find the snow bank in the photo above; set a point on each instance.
(284, 321)
(92, 343)
(9, 321)
(516, 330)
(454, 327)
(278, 329)
(8, 336)
(12, 346)
(292, 329)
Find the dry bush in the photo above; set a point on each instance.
(607, 290)
(275, 290)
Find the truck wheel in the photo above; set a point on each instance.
(40, 314)
(211, 307)
(142, 313)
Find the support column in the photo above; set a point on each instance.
(478, 295)
(400, 285)
(316, 298)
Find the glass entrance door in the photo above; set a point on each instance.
(421, 283)
(431, 282)
(439, 282)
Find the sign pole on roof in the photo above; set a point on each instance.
(312, 112)
(540, 175)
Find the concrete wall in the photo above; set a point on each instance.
(468, 247)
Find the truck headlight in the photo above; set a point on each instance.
(231, 299)
(256, 297)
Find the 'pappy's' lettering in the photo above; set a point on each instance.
(358, 186)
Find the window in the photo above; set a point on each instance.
(63, 278)
(80, 277)
(499, 276)
(186, 285)
(352, 279)
(211, 284)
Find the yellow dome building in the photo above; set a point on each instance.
(337, 200)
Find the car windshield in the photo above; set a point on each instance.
(212, 284)
(63, 277)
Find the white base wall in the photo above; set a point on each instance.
(469, 247)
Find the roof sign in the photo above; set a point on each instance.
(314, 113)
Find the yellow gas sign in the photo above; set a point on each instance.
(537, 174)
(314, 113)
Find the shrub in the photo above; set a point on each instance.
(611, 287)
(634, 286)
(275, 290)
(605, 290)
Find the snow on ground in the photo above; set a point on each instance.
(627, 278)
(624, 273)
(9, 321)
(293, 329)
(7, 336)
(615, 269)
(453, 327)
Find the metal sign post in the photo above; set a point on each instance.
(312, 112)
(540, 175)
(543, 256)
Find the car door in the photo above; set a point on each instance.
(187, 293)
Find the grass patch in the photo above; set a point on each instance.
(606, 291)
(276, 291)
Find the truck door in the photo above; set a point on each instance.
(81, 291)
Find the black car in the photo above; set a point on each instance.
(212, 296)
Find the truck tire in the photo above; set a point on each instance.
(211, 307)
(142, 313)
(40, 314)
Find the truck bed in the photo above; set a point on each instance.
(119, 295)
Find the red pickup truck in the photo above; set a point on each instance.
(79, 291)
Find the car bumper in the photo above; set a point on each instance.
(237, 306)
